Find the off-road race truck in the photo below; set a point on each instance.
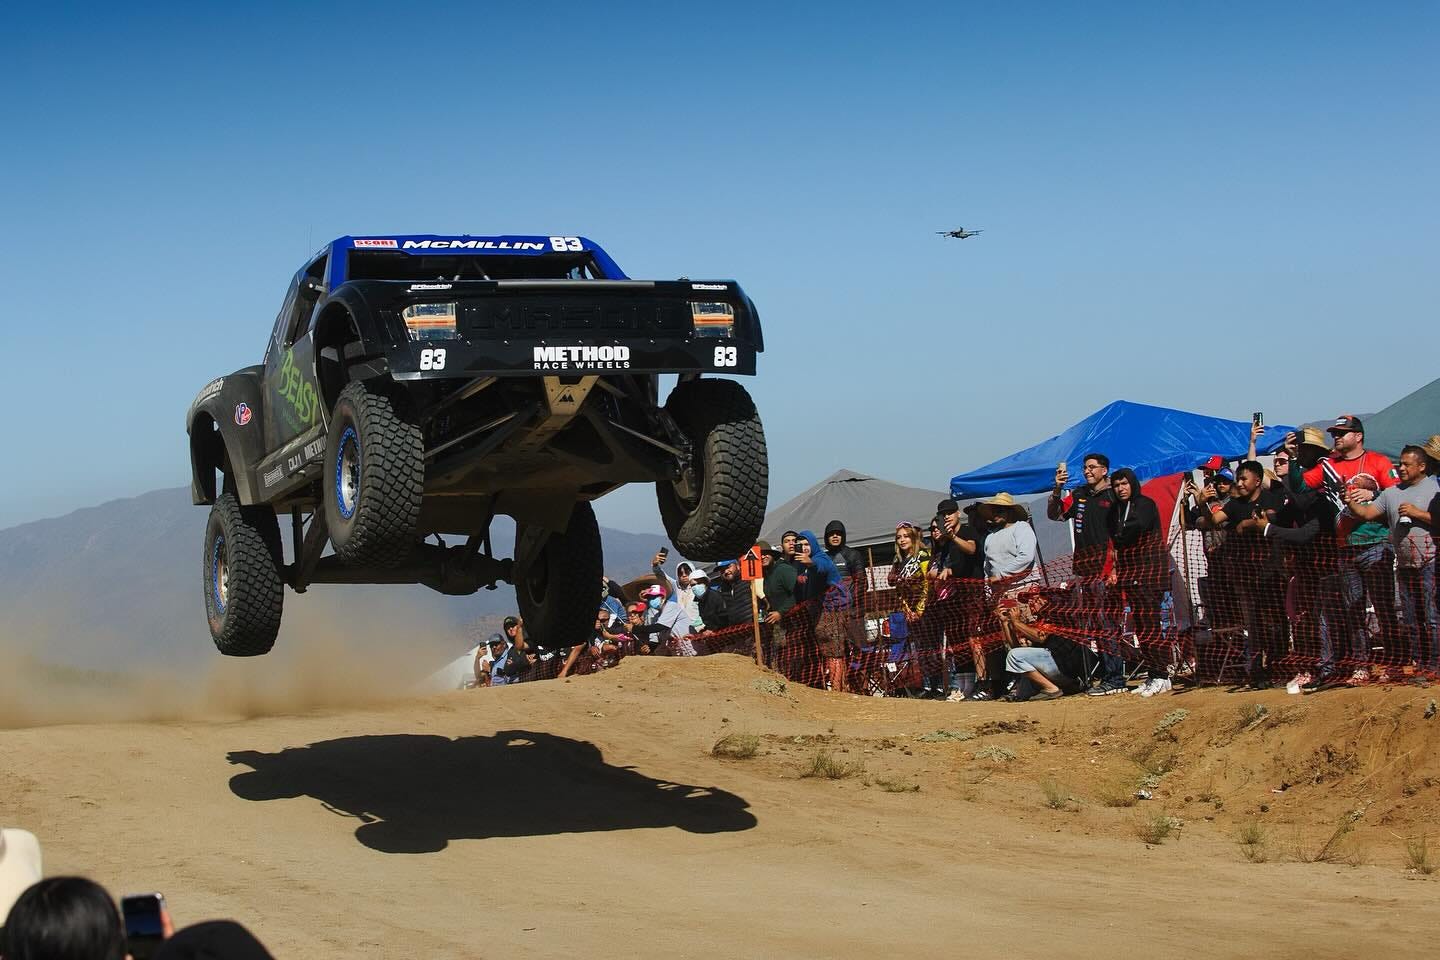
(415, 387)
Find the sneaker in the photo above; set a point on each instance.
(1142, 688)
(1106, 690)
(1158, 685)
(1299, 682)
(1361, 675)
(955, 696)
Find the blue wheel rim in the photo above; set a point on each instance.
(347, 473)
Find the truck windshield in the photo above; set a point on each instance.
(390, 265)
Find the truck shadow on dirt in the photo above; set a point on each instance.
(414, 793)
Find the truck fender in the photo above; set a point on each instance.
(227, 433)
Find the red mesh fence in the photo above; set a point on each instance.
(1203, 607)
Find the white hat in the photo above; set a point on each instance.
(698, 574)
(19, 867)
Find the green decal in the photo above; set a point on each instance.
(297, 391)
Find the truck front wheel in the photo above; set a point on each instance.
(374, 479)
(717, 508)
(241, 565)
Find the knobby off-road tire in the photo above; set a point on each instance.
(557, 579)
(241, 564)
(374, 479)
(721, 515)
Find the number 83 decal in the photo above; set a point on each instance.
(725, 357)
(432, 359)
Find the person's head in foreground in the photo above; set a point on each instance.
(64, 918)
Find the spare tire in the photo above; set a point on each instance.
(716, 511)
(557, 579)
(374, 479)
(244, 594)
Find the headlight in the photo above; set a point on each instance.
(430, 321)
(713, 319)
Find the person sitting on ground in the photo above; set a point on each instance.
(64, 918)
(1049, 663)
(20, 867)
(604, 646)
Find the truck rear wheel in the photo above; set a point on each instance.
(243, 591)
(374, 479)
(718, 509)
(557, 579)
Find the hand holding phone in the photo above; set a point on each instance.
(147, 923)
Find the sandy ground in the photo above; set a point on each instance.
(590, 818)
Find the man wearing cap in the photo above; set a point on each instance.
(485, 658)
(663, 620)
(1217, 587)
(1366, 561)
(1085, 507)
(1405, 509)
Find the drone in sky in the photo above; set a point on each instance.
(961, 234)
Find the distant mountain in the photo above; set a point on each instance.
(119, 583)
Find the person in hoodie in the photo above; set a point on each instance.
(847, 560)
(1140, 570)
(838, 628)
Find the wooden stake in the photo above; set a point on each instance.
(755, 619)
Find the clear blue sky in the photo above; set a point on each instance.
(1221, 207)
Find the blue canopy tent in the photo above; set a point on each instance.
(1153, 441)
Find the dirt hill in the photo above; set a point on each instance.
(590, 816)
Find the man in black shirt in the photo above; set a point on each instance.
(727, 602)
(1262, 602)
(1085, 507)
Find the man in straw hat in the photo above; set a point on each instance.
(1010, 544)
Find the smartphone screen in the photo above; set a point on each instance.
(144, 926)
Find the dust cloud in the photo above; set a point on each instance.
(320, 662)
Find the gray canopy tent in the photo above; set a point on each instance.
(870, 508)
(1411, 419)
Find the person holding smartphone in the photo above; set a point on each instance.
(1086, 507)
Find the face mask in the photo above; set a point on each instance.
(698, 590)
(604, 590)
(654, 603)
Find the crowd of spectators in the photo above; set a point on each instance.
(74, 918)
(1319, 568)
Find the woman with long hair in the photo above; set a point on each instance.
(909, 575)
(1141, 569)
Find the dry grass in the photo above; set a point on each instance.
(1252, 840)
(897, 786)
(1164, 729)
(998, 754)
(1330, 850)
(826, 766)
(1056, 796)
(1417, 855)
(1248, 715)
(1117, 795)
(1155, 828)
(736, 746)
